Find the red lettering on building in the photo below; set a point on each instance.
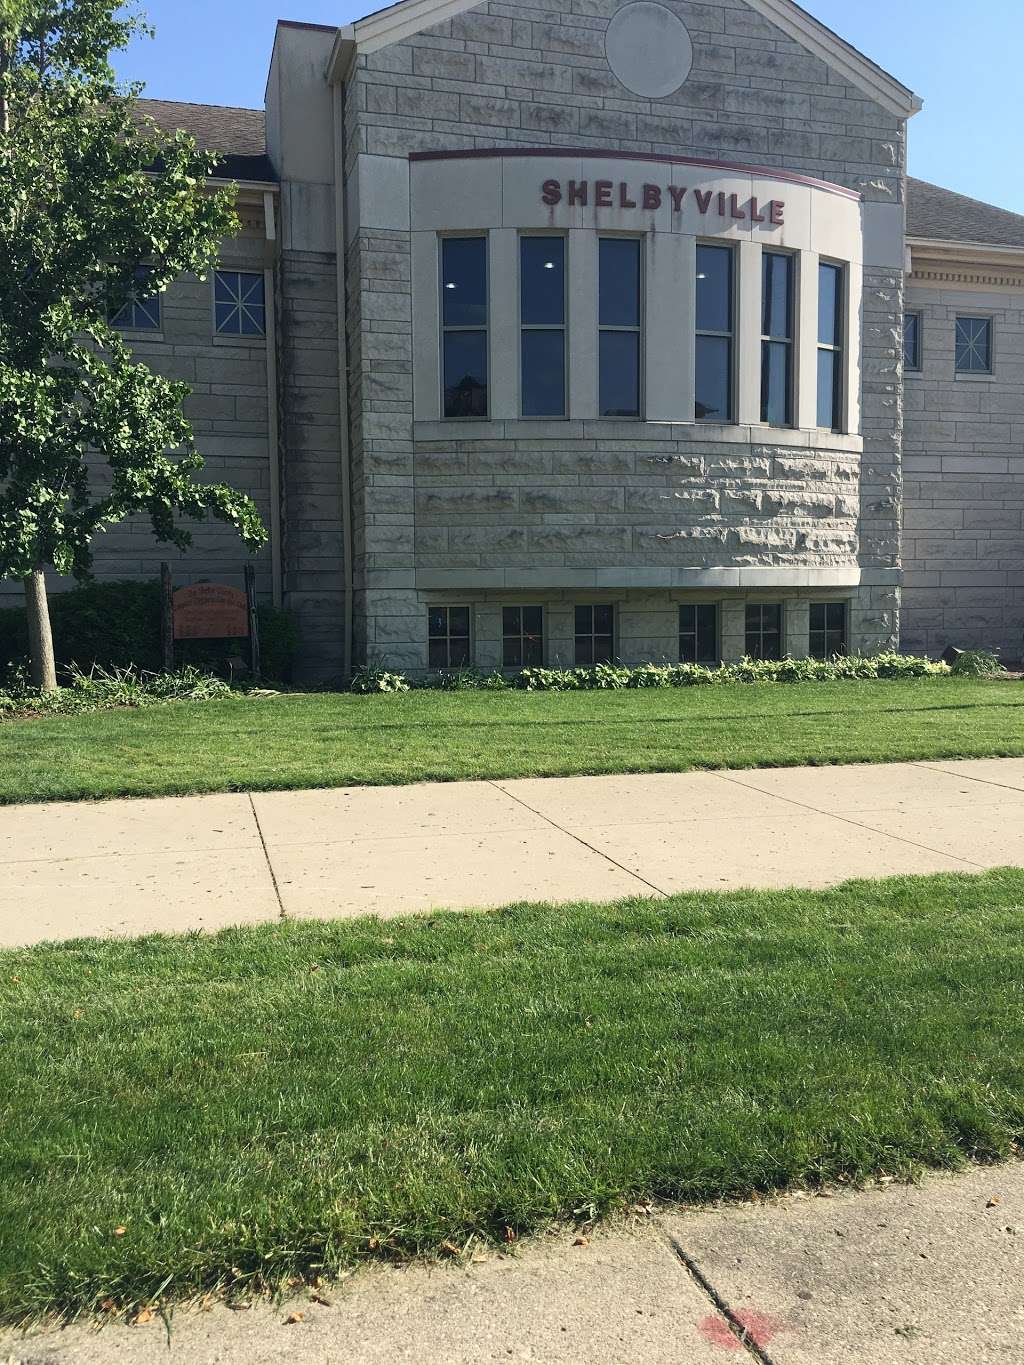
(577, 193)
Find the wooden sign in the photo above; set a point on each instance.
(210, 611)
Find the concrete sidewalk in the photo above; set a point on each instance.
(132, 867)
(893, 1276)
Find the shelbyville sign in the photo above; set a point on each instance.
(620, 194)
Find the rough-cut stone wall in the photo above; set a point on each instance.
(582, 500)
(963, 520)
(228, 410)
(511, 73)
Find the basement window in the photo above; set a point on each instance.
(448, 637)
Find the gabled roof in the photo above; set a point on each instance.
(408, 17)
(239, 135)
(938, 215)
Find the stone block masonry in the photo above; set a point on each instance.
(229, 412)
(963, 509)
(557, 505)
(312, 548)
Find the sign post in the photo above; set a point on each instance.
(254, 623)
(210, 611)
(167, 617)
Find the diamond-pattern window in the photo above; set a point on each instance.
(142, 312)
(974, 345)
(240, 304)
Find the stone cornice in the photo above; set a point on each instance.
(970, 264)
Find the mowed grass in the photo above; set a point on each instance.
(339, 739)
(180, 1114)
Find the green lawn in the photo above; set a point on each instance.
(287, 1100)
(339, 739)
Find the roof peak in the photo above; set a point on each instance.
(383, 27)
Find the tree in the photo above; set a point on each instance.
(97, 208)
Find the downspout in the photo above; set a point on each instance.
(341, 245)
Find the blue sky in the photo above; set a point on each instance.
(964, 61)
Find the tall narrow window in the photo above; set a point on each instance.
(974, 345)
(715, 322)
(142, 311)
(522, 633)
(777, 340)
(595, 634)
(239, 303)
(619, 327)
(911, 341)
(828, 630)
(763, 630)
(698, 633)
(448, 637)
(464, 325)
(830, 346)
(542, 318)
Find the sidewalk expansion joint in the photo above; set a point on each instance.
(570, 834)
(736, 1327)
(266, 854)
(936, 766)
(847, 820)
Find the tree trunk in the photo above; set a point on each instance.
(40, 638)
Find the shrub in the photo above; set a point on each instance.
(977, 663)
(116, 625)
(466, 680)
(100, 690)
(608, 677)
(373, 678)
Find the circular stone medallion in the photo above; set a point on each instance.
(649, 49)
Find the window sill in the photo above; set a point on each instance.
(137, 334)
(621, 429)
(237, 342)
(974, 378)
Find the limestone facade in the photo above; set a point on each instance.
(737, 123)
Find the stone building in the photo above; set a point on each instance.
(611, 328)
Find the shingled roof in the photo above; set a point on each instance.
(944, 216)
(240, 135)
(933, 213)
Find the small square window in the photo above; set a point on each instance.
(911, 341)
(448, 637)
(828, 630)
(763, 630)
(240, 304)
(698, 633)
(974, 345)
(595, 630)
(522, 635)
(142, 312)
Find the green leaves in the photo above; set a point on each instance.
(90, 192)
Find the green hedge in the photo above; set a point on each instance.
(117, 625)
